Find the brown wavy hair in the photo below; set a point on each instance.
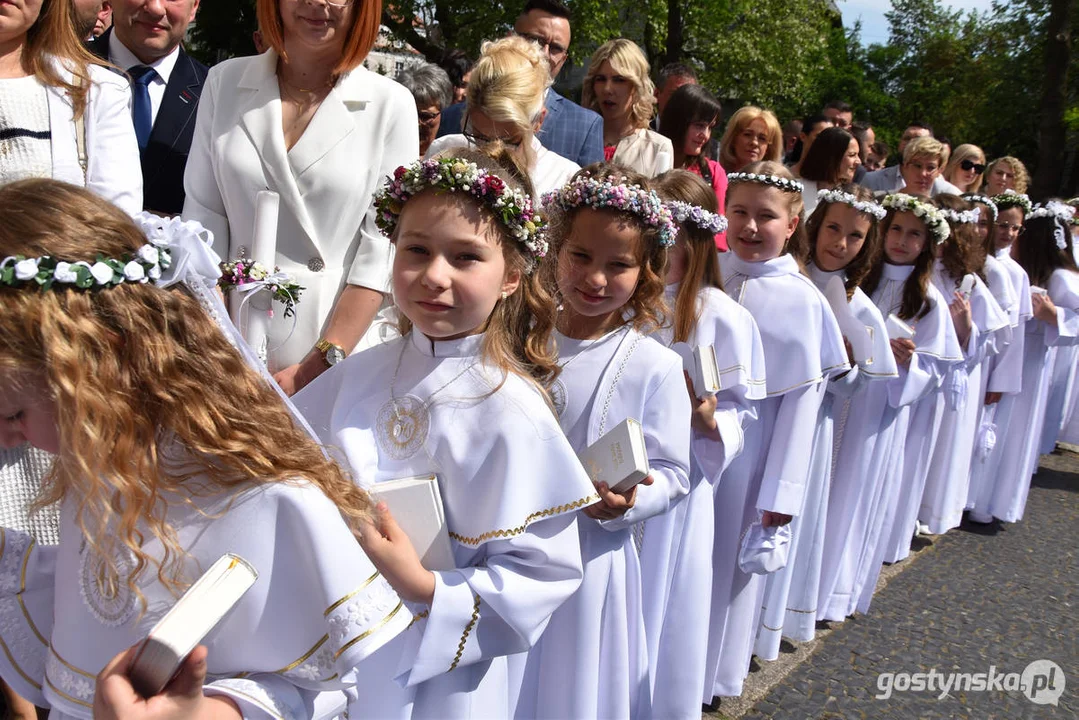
(361, 36)
(916, 288)
(135, 371)
(517, 335)
(872, 247)
(797, 244)
(961, 254)
(53, 37)
(702, 263)
(647, 303)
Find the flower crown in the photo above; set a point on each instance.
(613, 194)
(984, 200)
(698, 217)
(1010, 198)
(965, 217)
(929, 214)
(1074, 202)
(1063, 213)
(862, 206)
(512, 208)
(782, 183)
(143, 265)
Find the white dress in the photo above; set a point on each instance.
(945, 495)
(592, 661)
(287, 650)
(550, 170)
(676, 557)
(796, 587)
(510, 486)
(803, 349)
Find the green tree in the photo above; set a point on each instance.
(223, 29)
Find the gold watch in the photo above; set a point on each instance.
(331, 354)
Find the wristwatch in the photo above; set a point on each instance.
(331, 354)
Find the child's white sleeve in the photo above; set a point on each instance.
(27, 589)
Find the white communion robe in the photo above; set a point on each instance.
(676, 557)
(1003, 493)
(288, 648)
(592, 662)
(796, 587)
(1007, 378)
(945, 495)
(935, 348)
(803, 349)
(510, 486)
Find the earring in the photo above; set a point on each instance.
(505, 294)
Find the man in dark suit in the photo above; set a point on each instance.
(568, 129)
(165, 86)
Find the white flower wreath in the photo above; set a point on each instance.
(929, 214)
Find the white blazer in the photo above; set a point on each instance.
(646, 152)
(113, 168)
(326, 234)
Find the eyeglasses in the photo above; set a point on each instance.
(1008, 227)
(968, 165)
(553, 48)
(428, 118)
(478, 138)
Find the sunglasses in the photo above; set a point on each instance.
(978, 168)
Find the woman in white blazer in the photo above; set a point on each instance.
(307, 122)
(63, 115)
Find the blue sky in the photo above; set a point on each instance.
(871, 12)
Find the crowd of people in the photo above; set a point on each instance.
(493, 278)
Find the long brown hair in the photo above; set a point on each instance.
(872, 247)
(960, 254)
(989, 245)
(517, 335)
(702, 264)
(51, 38)
(916, 288)
(647, 302)
(1037, 249)
(135, 371)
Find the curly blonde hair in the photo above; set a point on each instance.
(648, 305)
(135, 370)
(1022, 177)
(628, 60)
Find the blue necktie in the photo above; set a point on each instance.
(141, 110)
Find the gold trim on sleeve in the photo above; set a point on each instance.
(11, 659)
(22, 589)
(351, 595)
(65, 696)
(303, 658)
(367, 633)
(511, 532)
(467, 632)
(69, 666)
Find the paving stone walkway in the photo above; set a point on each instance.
(977, 600)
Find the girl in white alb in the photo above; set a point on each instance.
(803, 349)
(610, 235)
(460, 396)
(676, 555)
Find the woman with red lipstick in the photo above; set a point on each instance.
(617, 86)
(752, 135)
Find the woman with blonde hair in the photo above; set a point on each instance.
(1006, 173)
(505, 105)
(966, 168)
(752, 135)
(617, 86)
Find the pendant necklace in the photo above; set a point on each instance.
(404, 422)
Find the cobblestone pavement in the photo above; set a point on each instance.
(980, 596)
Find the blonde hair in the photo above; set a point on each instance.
(742, 119)
(133, 370)
(507, 85)
(53, 37)
(1022, 177)
(626, 59)
(797, 243)
(926, 146)
(359, 39)
(966, 151)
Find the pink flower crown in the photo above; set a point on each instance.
(612, 193)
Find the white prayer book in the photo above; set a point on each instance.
(897, 329)
(618, 458)
(704, 370)
(967, 286)
(416, 504)
(187, 622)
(1035, 290)
(857, 333)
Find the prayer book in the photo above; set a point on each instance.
(618, 458)
(416, 504)
(858, 334)
(967, 286)
(704, 371)
(187, 622)
(897, 329)
(1035, 290)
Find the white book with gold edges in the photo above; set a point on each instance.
(704, 370)
(897, 329)
(188, 622)
(618, 458)
(416, 505)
